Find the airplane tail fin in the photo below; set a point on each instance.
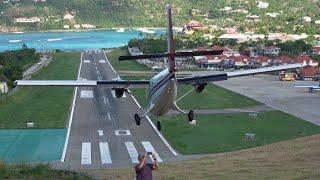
(171, 59)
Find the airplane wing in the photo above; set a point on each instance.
(313, 87)
(201, 79)
(102, 83)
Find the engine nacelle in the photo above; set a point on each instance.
(199, 87)
(119, 92)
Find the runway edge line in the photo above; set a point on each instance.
(155, 129)
(71, 116)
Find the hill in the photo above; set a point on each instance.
(286, 16)
(293, 159)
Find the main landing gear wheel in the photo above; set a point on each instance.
(158, 125)
(190, 115)
(137, 119)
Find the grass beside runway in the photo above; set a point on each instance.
(213, 97)
(39, 171)
(47, 107)
(124, 65)
(225, 132)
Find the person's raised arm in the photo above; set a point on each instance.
(155, 165)
(143, 161)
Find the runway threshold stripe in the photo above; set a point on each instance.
(149, 148)
(86, 153)
(105, 153)
(109, 116)
(104, 100)
(133, 153)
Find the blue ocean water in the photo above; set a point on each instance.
(66, 41)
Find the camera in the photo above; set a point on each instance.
(149, 153)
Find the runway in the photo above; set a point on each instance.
(103, 133)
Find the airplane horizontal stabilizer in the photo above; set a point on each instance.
(176, 54)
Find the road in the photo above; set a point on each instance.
(278, 94)
(103, 133)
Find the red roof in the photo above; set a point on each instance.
(262, 59)
(285, 59)
(316, 48)
(240, 58)
(272, 47)
(309, 71)
(216, 57)
(302, 58)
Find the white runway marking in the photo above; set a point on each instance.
(114, 94)
(149, 148)
(104, 100)
(105, 153)
(133, 153)
(86, 153)
(86, 94)
(109, 116)
(86, 61)
(122, 132)
(108, 103)
(100, 132)
(102, 61)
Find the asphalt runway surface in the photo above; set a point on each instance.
(279, 94)
(103, 132)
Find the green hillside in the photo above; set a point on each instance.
(150, 13)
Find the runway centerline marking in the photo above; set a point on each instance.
(102, 61)
(109, 116)
(122, 132)
(108, 103)
(86, 153)
(105, 153)
(133, 153)
(86, 61)
(100, 132)
(104, 100)
(149, 148)
(86, 94)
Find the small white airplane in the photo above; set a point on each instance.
(311, 88)
(163, 87)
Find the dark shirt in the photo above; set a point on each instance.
(145, 172)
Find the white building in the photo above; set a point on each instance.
(3, 85)
(272, 14)
(263, 5)
(307, 19)
(88, 26)
(27, 20)
(66, 27)
(77, 26)
(68, 16)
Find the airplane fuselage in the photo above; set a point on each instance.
(162, 92)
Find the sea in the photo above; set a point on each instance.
(66, 41)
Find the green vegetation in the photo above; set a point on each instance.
(13, 63)
(124, 65)
(225, 132)
(292, 159)
(47, 107)
(39, 171)
(136, 13)
(213, 97)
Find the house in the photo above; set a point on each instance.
(271, 51)
(88, 26)
(309, 73)
(240, 61)
(284, 60)
(262, 5)
(306, 19)
(316, 50)
(68, 16)
(305, 59)
(263, 60)
(66, 26)
(27, 20)
(3, 84)
(193, 25)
